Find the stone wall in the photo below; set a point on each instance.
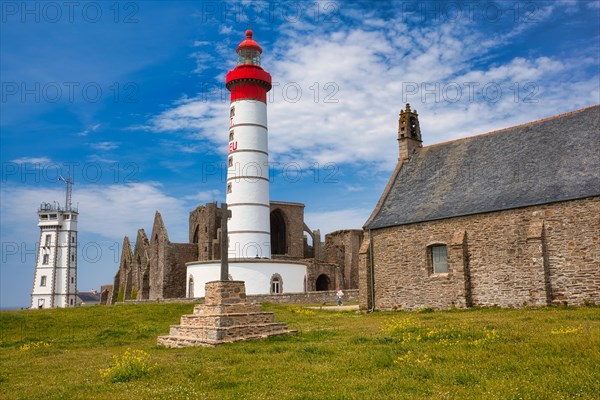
(323, 297)
(342, 248)
(204, 230)
(177, 255)
(293, 216)
(141, 264)
(316, 269)
(532, 256)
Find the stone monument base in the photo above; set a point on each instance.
(223, 318)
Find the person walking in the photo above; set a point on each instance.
(339, 296)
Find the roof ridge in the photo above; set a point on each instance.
(537, 121)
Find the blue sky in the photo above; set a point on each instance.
(130, 97)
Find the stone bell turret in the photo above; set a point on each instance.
(409, 133)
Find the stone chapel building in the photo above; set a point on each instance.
(510, 218)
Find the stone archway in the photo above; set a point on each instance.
(278, 233)
(323, 283)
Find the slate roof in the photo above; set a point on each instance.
(546, 161)
(89, 297)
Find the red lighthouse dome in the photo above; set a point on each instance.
(249, 43)
(248, 80)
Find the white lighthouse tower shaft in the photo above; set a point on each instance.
(248, 158)
(55, 278)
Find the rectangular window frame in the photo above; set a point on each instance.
(438, 259)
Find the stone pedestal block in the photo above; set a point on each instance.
(225, 317)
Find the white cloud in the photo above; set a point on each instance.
(594, 4)
(203, 197)
(32, 160)
(330, 221)
(336, 96)
(225, 29)
(89, 130)
(108, 211)
(105, 146)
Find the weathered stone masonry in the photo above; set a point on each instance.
(533, 256)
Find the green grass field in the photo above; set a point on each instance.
(548, 353)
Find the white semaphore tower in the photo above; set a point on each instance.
(55, 278)
(248, 159)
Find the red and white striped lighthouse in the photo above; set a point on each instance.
(248, 158)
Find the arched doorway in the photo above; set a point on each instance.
(322, 282)
(278, 233)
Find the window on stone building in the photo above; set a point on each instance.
(232, 112)
(46, 259)
(43, 280)
(72, 280)
(230, 162)
(276, 284)
(72, 239)
(438, 258)
(73, 257)
(229, 188)
(231, 136)
(47, 240)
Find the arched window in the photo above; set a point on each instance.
(276, 284)
(278, 233)
(191, 287)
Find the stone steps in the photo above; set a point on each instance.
(228, 334)
(225, 318)
(203, 309)
(186, 341)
